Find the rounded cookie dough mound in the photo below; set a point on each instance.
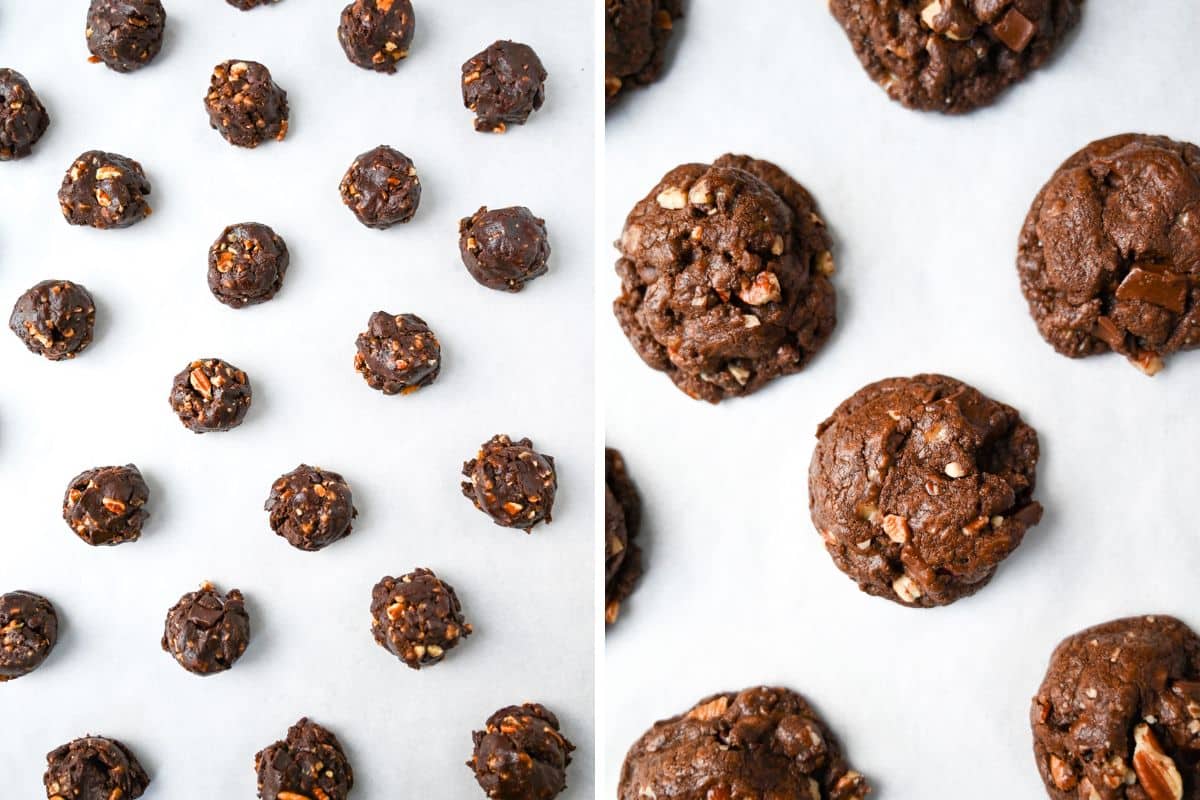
(636, 33)
(23, 118)
(54, 319)
(94, 768)
(207, 632)
(107, 505)
(28, 632)
(1109, 256)
(125, 34)
(246, 264)
(245, 105)
(622, 522)
(921, 486)
(521, 754)
(417, 617)
(725, 277)
(376, 34)
(310, 762)
(311, 508)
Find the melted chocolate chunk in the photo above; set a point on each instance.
(23, 118)
(376, 34)
(309, 763)
(311, 508)
(125, 34)
(106, 505)
(211, 395)
(104, 190)
(511, 483)
(504, 248)
(521, 755)
(245, 105)
(417, 617)
(28, 632)
(381, 187)
(503, 85)
(54, 319)
(246, 264)
(94, 768)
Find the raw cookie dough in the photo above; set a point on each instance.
(211, 395)
(417, 617)
(503, 85)
(28, 632)
(636, 33)
(125, 34)
(376, 34)
(725, 277)
(245, 105)
(521, 755)
(54, 319)
(397, 354)
(953, 55)
(23, 118)
(1109, 256)
(246, 264)
(94, 768)
(504, 248)
(106, 505)
(622, 521)
(511, 483)
(311, 508)
(207, 632)
(104, 190)
(308, 763)
(921, 486)
(381, 187)
(734, 745)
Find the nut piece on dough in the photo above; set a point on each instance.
(245, 105)
(23, 118)
(504, 248)
(376, 34)
(732, 744)
(125, 34)
(246, 264)
(1118, 714)
(94, 768)
(309, 763)
(311, 508)
(636, 33)
(54, 319)
(622, 522)
(104, 190)
(503, 85)
(211, 395)
(397, 354)
(28, 632)
(106, 505)
(417, 617)
(381, 187)
(521, 755)
(207, 632)
(511, 483)
(921, 486)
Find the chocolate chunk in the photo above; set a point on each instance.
(125, 34)
(310, 507)
(54, 319)
(246, 5)
(245, 105)
(417, 617)
(504, 248)
(397, 354)
(1167, 290)
(376, 34)
(511, 483)
(622, 522)
(104, 190)
(94, 768)
(106, 505)
(246, 264)
(636, 33)
(205, 632)
(28, 632)
(210, 395)
(23, 118)
(1015, 30)
(521, 755)
(381, 187)
(503, 85)
(309, 763)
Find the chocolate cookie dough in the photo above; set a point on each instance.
(246, 5)
(309, 763)
(953, 55)
(504, 248)
(397, 354)
(28, 632)
(54, 319)
(1109, 256)
(381, 187)
(94, 768)
(125, 34)
(106, 505)
(636, 33)
(921, 486)
(104, 190)
(1118, 715)
(376, 34)
(521, 755)
(725, 277)
(205, 632)
(417, 617)
(245, 105)
(210, 395)
(246, 264)
(311, 508)
(23, 118)
(622, 521)
(503, 85)
(511, 483)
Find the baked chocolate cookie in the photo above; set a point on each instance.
(1109, 256)
(953, 55)
(622, 522)
(207, 632)
(28, 632)
(725, 277)
(246, 264)
(104, 190)
(106, 505)
(376, 34)
(741, 744)
(94, 768)
(417, 617)
(211, 395)
(1118, 715)
(309, 763)
(125, 34)
(511, 482)
(246, 5)
(521, 754)
(921, 486)
(636, 33)
(503, 85)
(504, 248)
(381, 187)
(311, 508)
(397, 354)
(54, 319)
(23, 118)
(245, 105)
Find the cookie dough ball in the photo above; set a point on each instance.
(1109, 249)
(106, 505)
(953, 55)
(376, 34)
(921, 486)
(246, 264)
(504, 248)
(622, 522)
(397, 354)
(104, 190)
(310, 762)
(1118, 715)
(245, 105)
(636, 33)
(28, 632)
(503, 85)
(54, 319)
(725, 277)
(521, 755)
(511, 483)
(125, 34)
(23, 118)
(246, 5)
(211, 395)
(417, 617)
(205, 632)
(381, 187)
(311, 508)
(94, 768)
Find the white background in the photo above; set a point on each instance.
(925, 211)
(519, 364)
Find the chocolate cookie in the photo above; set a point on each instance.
(622, 521)
(308, 763)
(636, 33)
(1118, 715)
(104, 190)
(511, 483)
(245, 105)
(1109, 256)
(921, 486)
(23, 118)
(246, 5)
(953, 55)
(205, 632)
(106, 505)
(246, 264)
(210, 395)
(54, 319)
(503, 85)
(311, 508)
(382, 188)
(397, 354)
(94, 768)
(504, 248)
(725, 277)
(28, 632)
(417, 617)
(376, 34)
(521, 755)
(125, 34)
